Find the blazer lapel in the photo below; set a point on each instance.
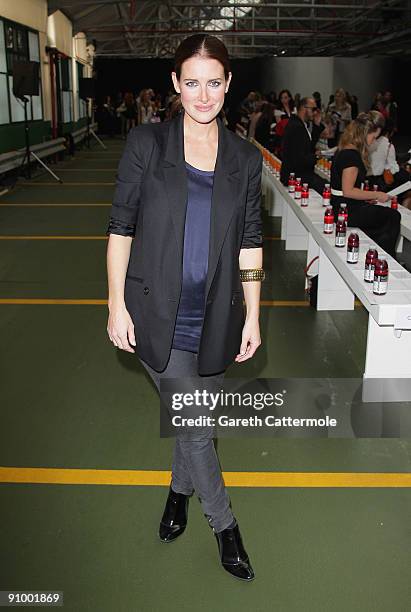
(225, 185)
(175, 179)
(224, 198)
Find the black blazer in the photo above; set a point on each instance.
(298, 150)
(150, 204)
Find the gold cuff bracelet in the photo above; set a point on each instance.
(254, 274)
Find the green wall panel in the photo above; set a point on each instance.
(12, 135)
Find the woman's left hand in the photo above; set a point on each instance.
(250, 341)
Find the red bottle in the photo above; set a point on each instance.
(291, 182)
(328, 220)
(353, 248)
(380, 281)
(305, 194)
(343, 211)
(298, 189)
(370, 259)
(366, 186)
(394, 203)
(340, 232)
(326, 195)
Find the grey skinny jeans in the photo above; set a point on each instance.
(195, 464)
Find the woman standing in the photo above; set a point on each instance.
(145, 107)
(128, 113)
(185, 247)
(340, 113)
(286, 105)
(348, 175)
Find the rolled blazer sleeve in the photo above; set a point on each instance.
(126, 201)
(252, 236)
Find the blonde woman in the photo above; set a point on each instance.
(348, 175)
(145, 107)
(340, 114)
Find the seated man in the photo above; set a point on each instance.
(298, 146)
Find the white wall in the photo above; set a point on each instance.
(360, 76)
(302, 75)
(60, 33)
(31, 13)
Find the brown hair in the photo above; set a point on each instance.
(356, 132)
(203, 45)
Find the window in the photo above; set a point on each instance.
(4, 97)
(82, 104)
(17, 44)
(66, 89)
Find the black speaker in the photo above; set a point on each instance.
(25, 79)
(87, 88)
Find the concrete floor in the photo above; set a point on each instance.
(72, 401)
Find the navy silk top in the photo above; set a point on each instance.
(190, 312)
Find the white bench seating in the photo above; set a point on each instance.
(388, 353)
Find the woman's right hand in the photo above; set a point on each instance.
(381, 196)
(120, 328)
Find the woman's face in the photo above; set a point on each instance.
(339, 97)
(202, 86)
(372, 136)
(285, 98)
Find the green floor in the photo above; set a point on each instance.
(70, 400)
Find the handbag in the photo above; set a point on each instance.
(387, 174)
(312, 285)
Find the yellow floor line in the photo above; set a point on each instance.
(284, 303)
(100, 302)
(272, 238)
(39, 205)
(232, 479)
(53, 237)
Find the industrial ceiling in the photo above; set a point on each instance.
(249, 28)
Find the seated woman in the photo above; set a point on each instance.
(348, 174)
(385, 171)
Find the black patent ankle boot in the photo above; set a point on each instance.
(234, 558)
(174, 520)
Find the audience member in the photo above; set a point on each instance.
(340, 114)
(348, 175)
(298, 147)
(384, 169)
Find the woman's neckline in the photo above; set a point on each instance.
(194, 169)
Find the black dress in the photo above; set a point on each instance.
(347, 158)
(380, 223)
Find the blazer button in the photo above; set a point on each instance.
(146, 290)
